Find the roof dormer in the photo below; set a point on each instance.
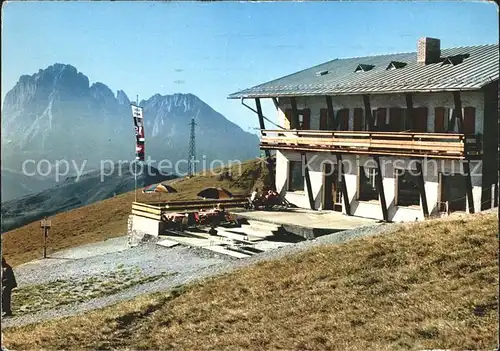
(395, 65)
(363, 68)
(454, 60)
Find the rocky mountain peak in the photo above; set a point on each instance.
(54, 114)
(60, 81)
(122, 98)
(102, 93)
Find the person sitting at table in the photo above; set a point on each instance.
(254, 198)
(270, 198)
(222, 214)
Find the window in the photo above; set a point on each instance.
(397, 120)
(380, 118)
(419, 123)
(444, 121)
(303, 120)
(453, 195)
(407, 193)
(295, 176)
(367, 189)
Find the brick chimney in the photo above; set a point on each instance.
(428, 50)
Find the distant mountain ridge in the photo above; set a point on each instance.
(74, 192)
(55, 114)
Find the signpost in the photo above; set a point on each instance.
(45, 225)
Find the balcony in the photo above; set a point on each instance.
(413, 144)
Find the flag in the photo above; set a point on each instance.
(137, 114)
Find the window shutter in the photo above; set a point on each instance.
(381, 117)
(358, 119)
(288, 118)
(420, 119)
(439, 120)
(470, 120)
(343, 116)
(395, 119)
(323, 118)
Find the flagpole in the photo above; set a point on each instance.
(135, 166)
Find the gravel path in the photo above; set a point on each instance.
(186, 265)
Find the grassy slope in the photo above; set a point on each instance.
(428, 285)
(108, 218)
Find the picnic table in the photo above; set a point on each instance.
(174, 217)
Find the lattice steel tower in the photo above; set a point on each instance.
(192, 154)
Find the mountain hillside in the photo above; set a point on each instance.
(74, 193)
(416, 286)
(16, 184)
(56, 114)
(108, 218)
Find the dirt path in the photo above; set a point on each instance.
(97, 275)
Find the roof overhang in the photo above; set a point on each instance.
(357, 91)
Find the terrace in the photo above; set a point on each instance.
(416, 144)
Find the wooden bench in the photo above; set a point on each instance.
(158, 210)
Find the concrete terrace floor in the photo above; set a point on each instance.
(335, 221)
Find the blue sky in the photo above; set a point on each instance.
(213, 49)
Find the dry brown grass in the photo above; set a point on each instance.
(428, 285)
(108, 218)
(43, 297)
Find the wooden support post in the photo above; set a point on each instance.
(267, 152)
(380, 189)
(271, 168)
(409, 110)
(276, 103)
(458, 111)
(259, 113)
(343, 185)
(332, 122)
(368, 113)
(261, 123)
(421, 188)
(308, 184)
(295, 114)
(45, 233)
(468, 179)
(468, 184)
(45, 225)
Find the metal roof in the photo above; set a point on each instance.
(479, 66)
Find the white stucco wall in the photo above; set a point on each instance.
(372, 209)
(139, 227)
(429, 100)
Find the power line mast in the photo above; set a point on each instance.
(192, 154)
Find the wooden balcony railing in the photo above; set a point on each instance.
(442, 145)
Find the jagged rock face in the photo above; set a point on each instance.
(56, 114)
(167, 124)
